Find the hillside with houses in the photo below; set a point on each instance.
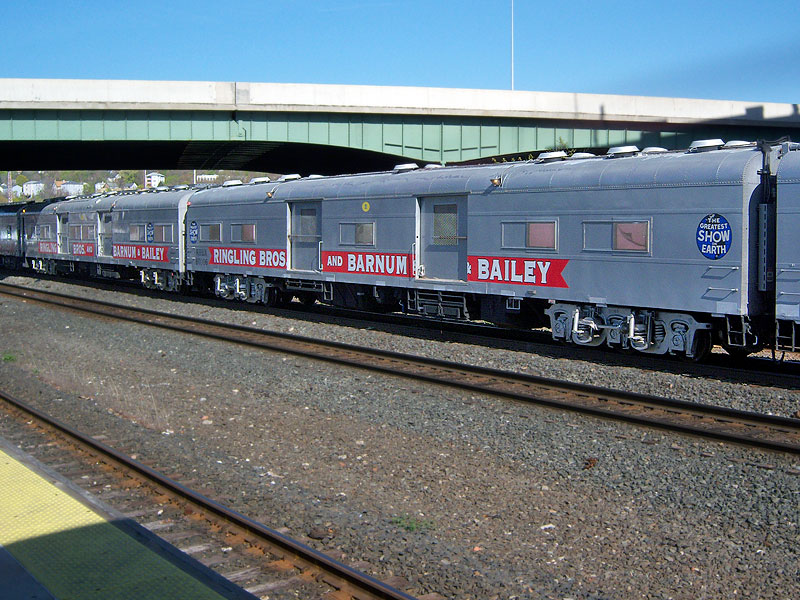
(18, 186)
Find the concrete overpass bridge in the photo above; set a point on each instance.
(116, 124)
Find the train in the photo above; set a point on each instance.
(653, 251)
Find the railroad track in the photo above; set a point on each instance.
(275, 563)
(736, 426)
(782, 369)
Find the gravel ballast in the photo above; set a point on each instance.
(465, 495)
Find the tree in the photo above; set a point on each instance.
(21, 180)
(129, 177)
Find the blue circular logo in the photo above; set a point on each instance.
(714, 236)
(194, 232)
(150, 231)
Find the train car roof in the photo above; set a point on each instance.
(662, 169)
(122, 201)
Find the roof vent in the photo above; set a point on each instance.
(654, 150)
(582, 155)
(181, 187)
(551, 156)
(315, 176)
(434, 166)
(232, 182)
(620, 151)
(405, 167)
(706, 145)
(738, 144)
(259, 180)
(291, 177)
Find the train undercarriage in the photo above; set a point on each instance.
(649, 331)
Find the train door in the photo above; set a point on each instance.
(443, 238)
(305, 238)
(104, 230)
(63, 234)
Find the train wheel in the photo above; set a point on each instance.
(275, 298)
(702, 346)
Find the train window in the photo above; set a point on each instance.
(244, 233)
(7, 233)
(88, 232)
(357, 234)
(211, 233)
(597, 235)
(520, 235)
(75, 232)
(445, 225)
(162, 233)
(45, 232)
(308, 221)
(365, 234)
(626, 236)
(632, 236)
(542, 235)
(137, 233)
(512, 235)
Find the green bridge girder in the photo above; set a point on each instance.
(310, 141)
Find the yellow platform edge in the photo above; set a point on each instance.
(75, 552)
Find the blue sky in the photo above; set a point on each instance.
(732, 50)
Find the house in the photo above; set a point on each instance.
(32, 188)
(207, 178)
(153, 179)
(67, 188)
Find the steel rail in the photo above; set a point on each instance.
(707, 420)
(352, 581)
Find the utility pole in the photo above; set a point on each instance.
(512, 45)
(8, 189)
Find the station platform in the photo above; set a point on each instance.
(58, 543)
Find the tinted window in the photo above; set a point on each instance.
(210, 233)
(632, 236)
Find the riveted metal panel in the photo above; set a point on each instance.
(114, 127)
(373, 137)
(298, 131)
(527, 138)
(508, 139)
(393, 137)
(158, 130)
(259, 130)
(546, 138)
(70, 128)
(412, 138)
(137, 125)
(278, 130)
(180, 129)
(46, 125)
(471, 140)
(318, 132)
(5, 124)
(355, 133)
(432, 142)
(490, 139)
(339, 134)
